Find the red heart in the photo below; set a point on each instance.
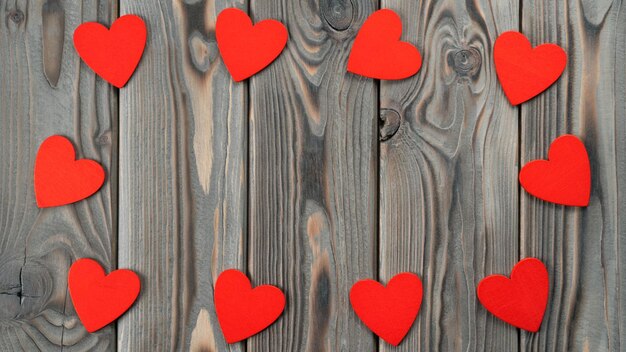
(113, 54)
(378, 52)
(388, 311)
(59, 178)
(525, 72)
(99, 299)
(521, 300)
(243, 311)
(565, 178)
(245, 48)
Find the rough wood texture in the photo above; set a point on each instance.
(46, 90)
(182, 178)
(313, 175)
(311, 178)
(583, 248)
(448, 173)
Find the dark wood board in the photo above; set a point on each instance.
(448, 173)
(583, 248)
(313, 177)
(183, 178)
(46, 90)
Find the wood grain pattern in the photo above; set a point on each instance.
(311, 178)
(46, 90)
(183, 133)
(313, 175)
(583, 248)
(448, 173)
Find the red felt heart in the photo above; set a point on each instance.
(378, 52)
(99, 299)
(113, 54)
(565, 178)
(246, 49)
(521, 300)
(525, 72)
(388, 311)
(243, 311)
(59, 178)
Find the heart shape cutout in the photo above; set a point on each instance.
(378, 52)
(388, 311)
(100, 299)
(244, 311)
(525, 72)
(565, 178)
(113, 54)
(59, 178)
(521, 300)
(246, 49)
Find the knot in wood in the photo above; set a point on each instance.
(466, 62)
(389, 124)
(202, 51)
(104, 139)
(337, 13)
(16, 16)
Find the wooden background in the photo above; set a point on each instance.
(311, 178)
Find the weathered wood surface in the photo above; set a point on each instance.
(46, 90)
(183, 129)
(448, 176)
(583, 248)
(311, 178)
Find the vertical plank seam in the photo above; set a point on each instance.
(116, 13)
(377, 182)
(245, 249)
(519, 167)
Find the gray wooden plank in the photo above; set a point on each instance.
(313, 175)
(583, 248)
(46, 90)
(448, 173)
(182, 178)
